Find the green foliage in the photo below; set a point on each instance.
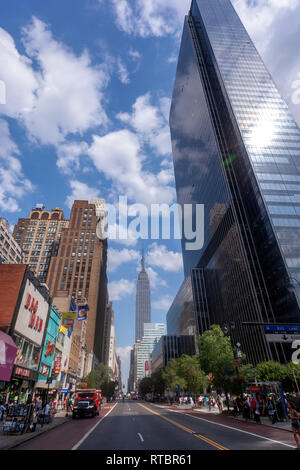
(270, 371)
(216, 356)
(195, 379)
(109, 388)
(172, 376)
(99, 377)
(185, 372)
(158, 382)
(145, 386)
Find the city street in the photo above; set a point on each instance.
(143, 426)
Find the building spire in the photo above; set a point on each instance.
(143, 260)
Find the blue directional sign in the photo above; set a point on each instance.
(281, 329)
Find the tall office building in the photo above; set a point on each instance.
(39, 236)
(236, 149)
(10, 250)
(79, 268)
(152, 334)
(143, 303)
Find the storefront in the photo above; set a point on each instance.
(27, 314)
(8, 352)
(50, 361)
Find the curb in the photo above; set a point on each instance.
(250, 422)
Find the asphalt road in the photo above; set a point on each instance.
(142, 426)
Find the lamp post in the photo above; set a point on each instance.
(85, 350)
(227, 329)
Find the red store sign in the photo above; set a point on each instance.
(22, 372)
(57, 365)
(35, 321)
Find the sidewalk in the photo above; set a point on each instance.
(265, 421)
(285, 426)
(9, 441)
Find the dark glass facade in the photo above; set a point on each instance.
(236, 149)
(171, 347)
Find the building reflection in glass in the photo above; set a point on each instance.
(236, 149)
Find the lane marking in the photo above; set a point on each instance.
(235, 429)
(141, 437)
(190, 431)
(91, 430)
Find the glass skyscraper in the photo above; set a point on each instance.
(236, 149)
(143, 302)
(152, 334)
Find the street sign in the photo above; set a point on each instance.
(281, 329)
(281, 333)
(282, 338)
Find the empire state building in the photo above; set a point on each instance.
(143, 305)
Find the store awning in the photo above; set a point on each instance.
(8, 352)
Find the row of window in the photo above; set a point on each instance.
(276, 177)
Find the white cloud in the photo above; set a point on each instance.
(150, 18)
(120, 289)
(163, 303)
(69, 95)
(161, 257)
(68, 156)
(52, 91)
(20, 80)
(155, 279)
(134, 55)
(13, 184)
(81, 191)
(150, 123)
(118, 257)
(123, 73)
(119, 156)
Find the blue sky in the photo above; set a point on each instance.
(88, 89)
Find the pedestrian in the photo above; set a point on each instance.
(253, 407)
(38, 404)
(235, 407)
(2, 410)
(219, 403)
(295, 418)
(246, 410)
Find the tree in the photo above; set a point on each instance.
(270, 371)
(99, 376)
(172, 376)
(216, 357)
(109, 388)
(158, 381)
(145, 386)
(291, 380)
(188, 368)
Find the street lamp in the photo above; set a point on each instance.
(85, 349)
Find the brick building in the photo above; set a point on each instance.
(39, 236)
(79, 268)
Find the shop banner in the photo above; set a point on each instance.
(8, 352)
(82, 312)
(67, 320)
(57, 365)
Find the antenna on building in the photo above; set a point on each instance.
(143, 259)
